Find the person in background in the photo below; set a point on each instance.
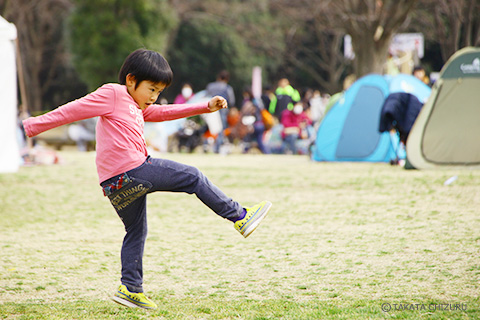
(296, 126)
(220, 87)
(83, 132)
(251, 118)
(285, 97)
(420, 73)
(347, 83)
(267, 96)
(317, 107)
(185, 95)
(391, 66)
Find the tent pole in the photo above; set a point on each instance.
(21, 80)
(23, 93)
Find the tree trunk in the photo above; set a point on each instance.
(372, 24)
(37, 22)
(370, 55)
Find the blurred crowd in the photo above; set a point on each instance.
(281, 120)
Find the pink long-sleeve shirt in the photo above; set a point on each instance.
(120, 143)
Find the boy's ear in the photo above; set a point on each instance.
(130, 80)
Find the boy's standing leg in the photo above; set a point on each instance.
(166, 175)
(130, 293)
(134, 218)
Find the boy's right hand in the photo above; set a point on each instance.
(217, 103)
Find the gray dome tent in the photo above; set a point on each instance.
(446, 133)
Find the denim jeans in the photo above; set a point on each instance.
(161, 175)
(220, 140)
(289, 143)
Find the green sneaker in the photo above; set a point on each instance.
(132, 300)
(252, 218)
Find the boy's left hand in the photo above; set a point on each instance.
(217, 103)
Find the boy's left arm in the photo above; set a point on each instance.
(158, 113)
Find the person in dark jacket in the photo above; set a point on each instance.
(399, 111)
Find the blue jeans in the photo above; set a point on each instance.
(159, 175)
(221, 135)
(289, 143)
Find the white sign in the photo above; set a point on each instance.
(348, 48)
(402, 42)
(257, 82)
(408, 42)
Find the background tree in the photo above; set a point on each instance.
(192, 59)
(104, 32)
(300, 39)
(372, 25)
(314, 47)
(450, 24)
(40, 25)
(316, 55)
(232, 35)
(316, 29)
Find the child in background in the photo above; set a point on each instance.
(127, 173)
(296, 127)
(185, 95)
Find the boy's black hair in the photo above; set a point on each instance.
(148, 65)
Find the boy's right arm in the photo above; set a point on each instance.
(98, 103)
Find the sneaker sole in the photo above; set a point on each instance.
(127, 303)
(258, 219)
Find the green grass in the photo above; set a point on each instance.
(341, 240)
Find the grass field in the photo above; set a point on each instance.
(342, 241)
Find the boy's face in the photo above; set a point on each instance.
(146, 93)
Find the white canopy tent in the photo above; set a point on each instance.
(9, 150)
